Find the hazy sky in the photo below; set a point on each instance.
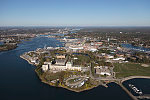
(75, 12)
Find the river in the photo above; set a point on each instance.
(18, 80)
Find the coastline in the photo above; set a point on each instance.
(129, 78)
(120, 84)
(4, 49)
(26, 60)
(133, 77)
(65, 87)
(117, 81)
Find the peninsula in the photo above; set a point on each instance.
(87, 61)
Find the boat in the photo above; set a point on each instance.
(135, 89)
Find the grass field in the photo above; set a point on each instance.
(130, 69)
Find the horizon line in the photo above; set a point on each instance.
(75, 26)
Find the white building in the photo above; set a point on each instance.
(93, 49)
(45, 67)
(56, 67)
(105, 73)
(70, 67)
(60, 61)
(34, 60)
(76, 48)
(121, 58)
(103, 70)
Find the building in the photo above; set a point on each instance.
(70, 67)
(60, 61)
(76, 48)
(103, 70)
(34, 60)
(117, 59)
(60, 56)
(45, 67)
(57, 67)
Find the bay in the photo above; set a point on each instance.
(18, 80)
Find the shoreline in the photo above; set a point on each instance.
(4, 50)
(134, 77)
(120, 84)
(65, 87)
(26, 60)
(117, 81)
(130, 78)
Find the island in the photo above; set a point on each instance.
(89, 60)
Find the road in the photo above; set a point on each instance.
(75, 83)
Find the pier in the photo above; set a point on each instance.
(145, 96)
(128, 92)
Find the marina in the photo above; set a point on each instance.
(135, 89)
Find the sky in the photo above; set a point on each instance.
(74, 12)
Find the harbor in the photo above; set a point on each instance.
(26, 84)
(24, 48)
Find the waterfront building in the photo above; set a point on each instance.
(61, 67)
(34, 60)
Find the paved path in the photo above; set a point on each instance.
(75, 83)
(146, 96)
(132, 77)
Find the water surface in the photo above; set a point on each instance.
(18, 80)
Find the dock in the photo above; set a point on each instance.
(145, 96)
(128, 92)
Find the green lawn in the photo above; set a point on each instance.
(82, 60)
(130, 69)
